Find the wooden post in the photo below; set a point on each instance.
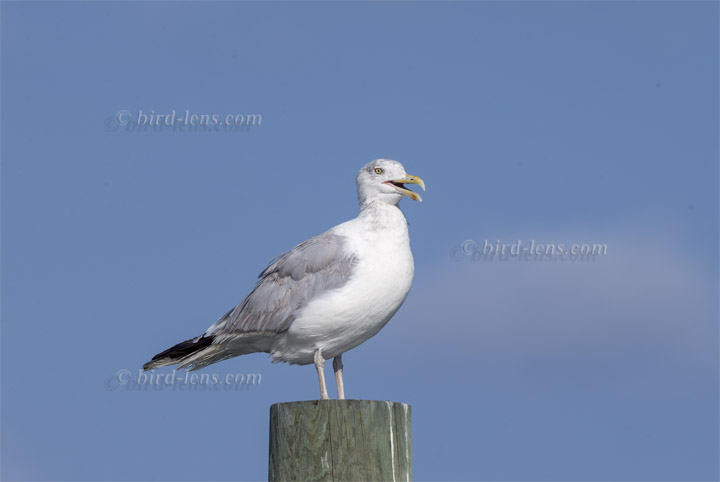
(340, 440)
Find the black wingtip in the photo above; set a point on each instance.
(181, 350)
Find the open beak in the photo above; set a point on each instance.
(399, 185)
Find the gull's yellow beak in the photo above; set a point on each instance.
(399, 185)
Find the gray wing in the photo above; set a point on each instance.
(289, 283)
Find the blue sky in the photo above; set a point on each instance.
(559, 122)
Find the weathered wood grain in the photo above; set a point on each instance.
(340, 440)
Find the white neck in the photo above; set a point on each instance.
(382, 214)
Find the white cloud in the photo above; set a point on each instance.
(643, 292)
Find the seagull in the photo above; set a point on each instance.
(326, 295)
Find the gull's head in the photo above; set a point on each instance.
(384, 180)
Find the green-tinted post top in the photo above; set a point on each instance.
(340, 440)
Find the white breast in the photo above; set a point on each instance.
(345, 318)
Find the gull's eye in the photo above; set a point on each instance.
(378, 170)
